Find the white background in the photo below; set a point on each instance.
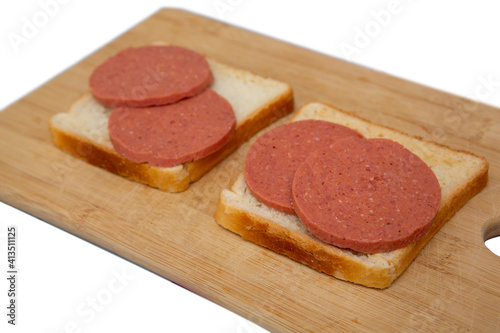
(450, 45)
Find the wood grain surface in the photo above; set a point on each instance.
(453, 285)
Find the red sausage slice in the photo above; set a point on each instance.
(150, 75)
(173, 134)
(274, 157)
(369, 195)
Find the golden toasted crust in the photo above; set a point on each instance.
(177, 178)
(445, 212)
(103, 157)
(240, 212)
(314, 253)
(275, 109)
(298, 115)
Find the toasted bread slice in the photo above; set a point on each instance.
(256, 101)
(461, 175)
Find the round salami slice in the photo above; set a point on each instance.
(274, 157)
(369, 195)
(172, 134)
(150, 75)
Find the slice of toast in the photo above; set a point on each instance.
(256, 101)
(461, 175)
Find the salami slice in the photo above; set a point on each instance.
(172, 134)
(150, 75)
(369, 195)
(274, 157)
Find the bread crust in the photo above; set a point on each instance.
(313, 253)
(376, 271)
(101, 156)
(274, 110)
(352, 114)
(178, 178)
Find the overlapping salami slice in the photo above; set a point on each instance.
(150, 75)
(368, 195)
(274, 157)
(173, 134)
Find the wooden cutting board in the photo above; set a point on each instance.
(453, 285)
